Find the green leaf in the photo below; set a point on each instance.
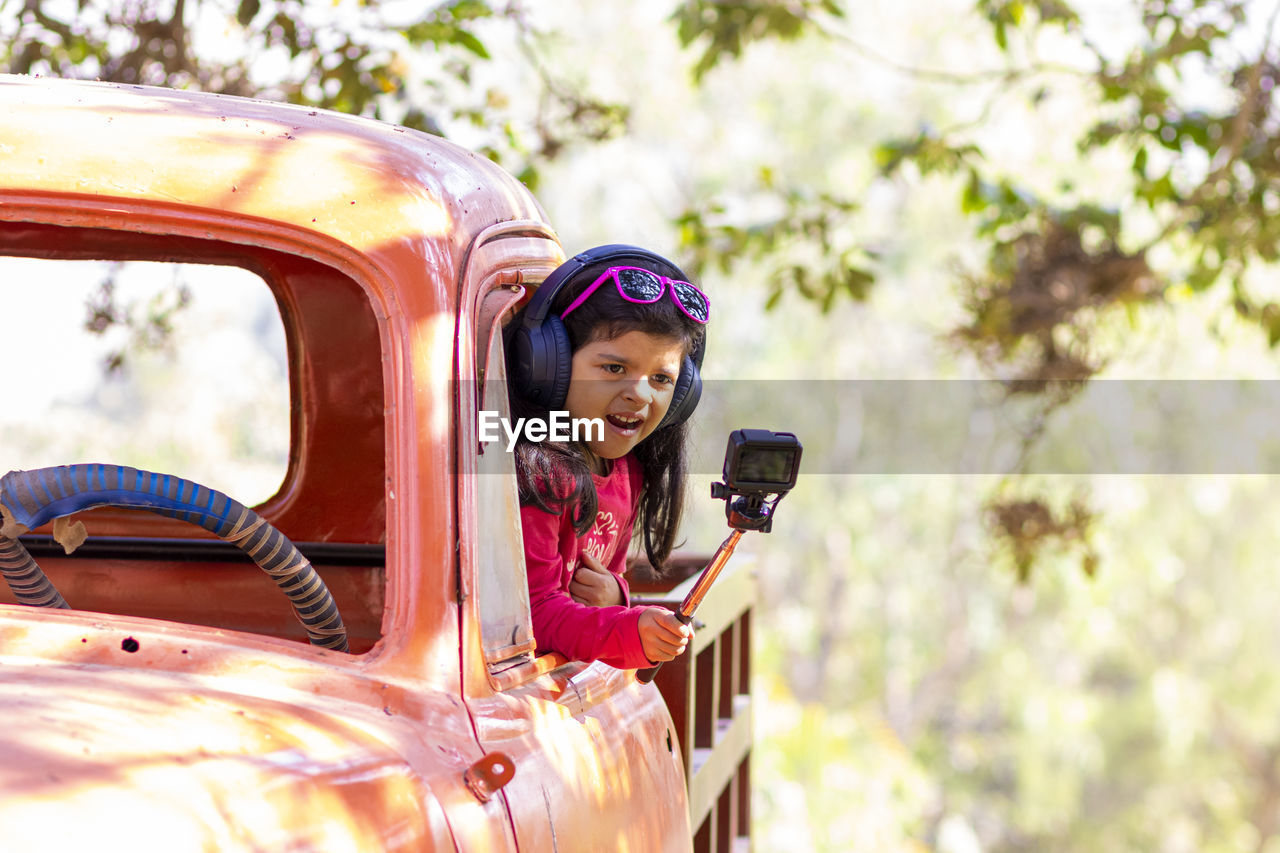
(247, 10)
(471, 43)
(469, 10)
(973, 199)
(889, 156)
(775, 296)
(1113, 91)
(530, 177)
(858, 282)
(1140, 163)
(726, 27)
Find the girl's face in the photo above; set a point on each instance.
(627, 382)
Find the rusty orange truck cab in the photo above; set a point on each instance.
(178, 704)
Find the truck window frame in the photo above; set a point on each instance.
(506, 623)
(505, 263)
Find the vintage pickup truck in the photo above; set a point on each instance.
(187, 699)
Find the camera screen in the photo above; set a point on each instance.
(765, 465)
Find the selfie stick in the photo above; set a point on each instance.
(699, 591)
(760, 467)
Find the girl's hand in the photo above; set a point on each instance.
(663, 635)
(594, 585)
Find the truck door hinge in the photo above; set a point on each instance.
(487, 775)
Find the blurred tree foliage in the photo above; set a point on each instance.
(1204, 183)
(1133, 711)
(350, 57)
(355, 57)
(724, 29)
(1190, 109)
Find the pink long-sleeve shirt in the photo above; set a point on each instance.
(551, 551)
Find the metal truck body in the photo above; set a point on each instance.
(177, 705)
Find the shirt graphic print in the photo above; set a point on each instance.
(602, 538)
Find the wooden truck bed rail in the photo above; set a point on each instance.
(708, 691)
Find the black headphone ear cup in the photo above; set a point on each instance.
(560, 361)
(540, 362)
(685, 397)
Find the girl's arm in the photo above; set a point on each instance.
(560, 624)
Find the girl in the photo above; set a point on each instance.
(615, 334)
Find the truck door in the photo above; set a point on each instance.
(596, 762)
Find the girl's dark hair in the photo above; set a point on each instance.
(542, 467)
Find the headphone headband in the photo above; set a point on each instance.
(613, 254)
(538, 352)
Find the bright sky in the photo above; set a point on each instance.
(215, 408)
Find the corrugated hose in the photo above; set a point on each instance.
(33, 498)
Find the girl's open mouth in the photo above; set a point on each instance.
(627, 424)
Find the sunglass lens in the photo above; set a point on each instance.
(692, 300)
(640, 285)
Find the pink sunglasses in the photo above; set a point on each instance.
(644, 286)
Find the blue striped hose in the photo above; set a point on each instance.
(36, 497)
(30, 585)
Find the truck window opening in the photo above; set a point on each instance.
(183, 367)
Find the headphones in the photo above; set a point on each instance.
(539, 357)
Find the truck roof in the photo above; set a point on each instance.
(381, 185)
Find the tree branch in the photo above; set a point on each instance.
(956, 78)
